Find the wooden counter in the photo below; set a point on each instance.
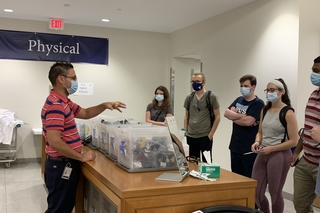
(141, 193)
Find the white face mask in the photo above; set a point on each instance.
(272, 97)
(245, 91)
(73, 88)
(159, 97)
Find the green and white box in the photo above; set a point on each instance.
(211, 170)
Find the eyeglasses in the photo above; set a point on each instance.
(270, 90)
(197, 105)
(71, 77)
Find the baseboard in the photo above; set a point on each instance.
(287, 196)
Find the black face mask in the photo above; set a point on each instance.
(196, 86)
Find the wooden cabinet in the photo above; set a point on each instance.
(316, 202)
(141, 193)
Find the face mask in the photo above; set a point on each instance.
(159, 97)
(73, 88)
(315, 79)
(272, 97)
(196, 86)
(245, 91)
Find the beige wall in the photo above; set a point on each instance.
(269, 39)
(138, 63)
(261, 39)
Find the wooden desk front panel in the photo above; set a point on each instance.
(141, 193)
(188, 202)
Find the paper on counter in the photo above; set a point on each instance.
(207, 156)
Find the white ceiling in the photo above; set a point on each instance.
(164, 16)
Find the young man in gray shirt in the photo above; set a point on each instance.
(198, 122)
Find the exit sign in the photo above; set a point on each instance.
(56, 24)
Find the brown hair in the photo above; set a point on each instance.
(166, 101)
(202, 75)
(251, 78)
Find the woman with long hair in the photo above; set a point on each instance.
(273, 147)
(160, 107)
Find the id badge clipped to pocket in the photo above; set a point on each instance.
(67, 171)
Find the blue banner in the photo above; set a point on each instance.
(53, 47)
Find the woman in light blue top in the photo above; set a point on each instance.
(273, 160)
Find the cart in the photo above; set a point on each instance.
(8, 152)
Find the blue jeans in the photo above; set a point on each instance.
(61, 193)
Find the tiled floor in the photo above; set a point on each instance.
(22, 190)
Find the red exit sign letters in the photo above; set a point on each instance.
(56, 24)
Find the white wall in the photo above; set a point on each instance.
(260, 39)
(138, 63)
(263, 38)
(309, 49)
(182, 68)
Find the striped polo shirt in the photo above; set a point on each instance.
(312, 118)
(58, 114)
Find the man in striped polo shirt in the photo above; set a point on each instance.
(63, 144)
(305, 172)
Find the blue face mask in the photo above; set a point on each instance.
(315, 79)
(272, 97)
(73, 88)
(196, 86)
(159, 97)
(245, 91)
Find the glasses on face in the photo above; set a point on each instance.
(271, 90)
(71, 77)
(197, 105)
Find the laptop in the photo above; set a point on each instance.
(181, 161)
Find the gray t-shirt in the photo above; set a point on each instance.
(272, 129)
(157, 114)
(199, 118)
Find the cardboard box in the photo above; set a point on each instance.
(211, 170)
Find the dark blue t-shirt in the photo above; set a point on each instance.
(243, 136)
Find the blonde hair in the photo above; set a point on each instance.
(202, 75)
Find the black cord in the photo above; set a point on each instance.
(193, 159)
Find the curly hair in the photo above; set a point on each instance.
(166, 101)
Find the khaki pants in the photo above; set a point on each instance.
(304, 181)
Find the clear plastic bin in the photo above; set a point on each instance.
(112, 131)
(105, 121)
(96, 129)
(113, 145)
(146, 149)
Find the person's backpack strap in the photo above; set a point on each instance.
(264, 112)
(188, 107)
(190, 98)
(209, 106)
(282, 118)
